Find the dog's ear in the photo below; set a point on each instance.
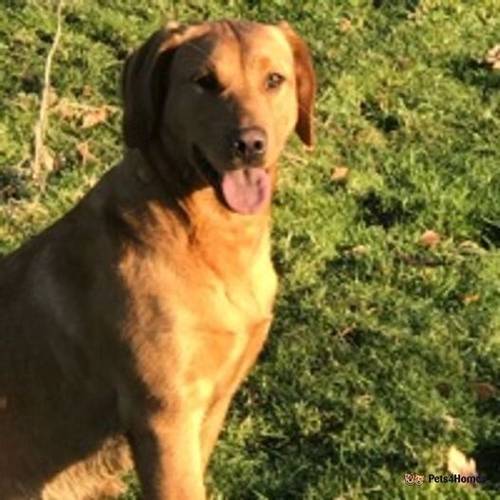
(145, 82)
(306, 84)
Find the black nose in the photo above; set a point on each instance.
(249, 144)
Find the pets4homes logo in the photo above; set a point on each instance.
(461, 470)
(418, 479)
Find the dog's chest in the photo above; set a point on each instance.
(201, 324)
(226, 300)
(220, 327)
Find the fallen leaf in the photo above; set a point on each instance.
(484, 390)
(492, 57)
(340, 174)
(345, 25)
(469, 299)
(430, 238)
(3, 403)
(94, 116)
(88, 114)
(66, 109)
(360, 250)
(458, 463)
(83, 149)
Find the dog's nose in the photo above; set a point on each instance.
(249, 144)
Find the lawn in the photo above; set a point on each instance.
(385, 351)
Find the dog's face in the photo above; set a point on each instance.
(222, 98)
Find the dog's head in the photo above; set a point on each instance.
(221, 98)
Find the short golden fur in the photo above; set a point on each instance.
(130, 323)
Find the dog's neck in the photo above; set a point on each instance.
(195, 210)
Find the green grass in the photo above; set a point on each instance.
(374, 355)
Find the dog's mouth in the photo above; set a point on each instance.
(204, 167)
(246, 190)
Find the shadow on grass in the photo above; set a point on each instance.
(384, 121)
(475, 73)
(375, 210)
(402, 6)
(490, 233)
(487, 457)
(12, 187)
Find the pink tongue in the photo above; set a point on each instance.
(246, 190)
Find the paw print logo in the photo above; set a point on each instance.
(413, 478)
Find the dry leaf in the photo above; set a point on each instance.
(3, 403)
(66, 109)
(458, 463)
(360, 250)
(83, 149)
(89, 115)
(345, 25)
(340, 174)
(94, 116)
(492, 57)
(484, 390)
(469, 299)
(430, 238)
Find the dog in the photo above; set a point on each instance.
(128, 325)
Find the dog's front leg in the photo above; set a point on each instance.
(214, 417)
(167, 456)
(212, 425)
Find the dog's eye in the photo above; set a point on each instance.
(208, 82)
(274, 80)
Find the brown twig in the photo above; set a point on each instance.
(37, 166)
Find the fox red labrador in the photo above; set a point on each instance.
(128, 325)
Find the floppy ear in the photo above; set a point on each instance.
(145, 82)
(306, 84)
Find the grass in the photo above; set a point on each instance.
(379, 343)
